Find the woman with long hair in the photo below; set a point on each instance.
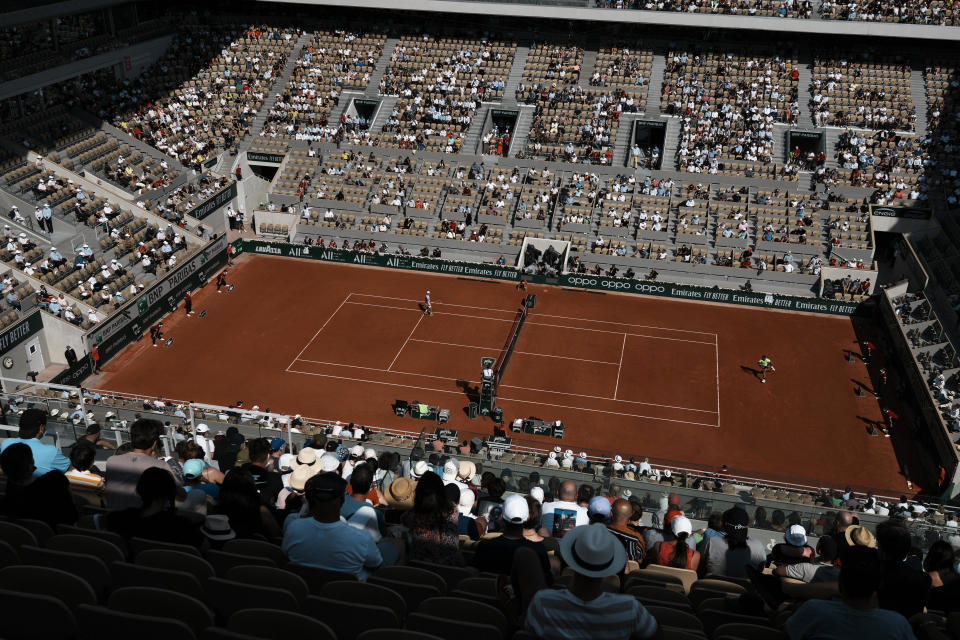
(433, 524)
(678, 553)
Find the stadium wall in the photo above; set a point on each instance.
(576, 281)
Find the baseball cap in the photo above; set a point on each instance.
(599, 506)
(796, 535)
(681, 524)
(192, 468)
(357, 450)
(277, 443)
(329, 462)
(515, 509)
(202, 428)
(537, 494)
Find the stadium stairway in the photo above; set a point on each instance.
(516, 75)
(279, 84)
(621, 144)
(383, 112)
(803, 95)
(918, 89)
(655, 83)
(671, 142)
(477, 128)
(832, 135)
(522, 129)
(373, 87)
(587, 67)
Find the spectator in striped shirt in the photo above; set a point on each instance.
(82, 456)
(585, 611)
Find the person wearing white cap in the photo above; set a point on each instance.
(496, 554)
(593, 553)
(551, 461)
(419, 468)
(677, 553)
(537, 494)
(204, 442)
(618, 465)
(451, 469)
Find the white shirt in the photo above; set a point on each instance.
(206, 444)
(546, 520)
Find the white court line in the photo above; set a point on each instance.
(625, 324)
(526, 353)
(639, 335)
(716, 353)
(546, 404)
(292, 362)
(437, 302)
(507, 386)
(533, 322)
(436, 313)
(620, 366)
(404, 346)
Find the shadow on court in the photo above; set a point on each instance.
(754, 372)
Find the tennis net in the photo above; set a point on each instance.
(511, 343)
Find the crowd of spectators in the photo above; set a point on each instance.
(440, 82)
(728, 104)
(774, 8)
(332, 62)
(337, 505)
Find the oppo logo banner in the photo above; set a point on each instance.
(616, 285)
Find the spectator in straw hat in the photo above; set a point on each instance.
(400, 493)
(593, 553)
(419, 468)
(467, 471)
(318, 537)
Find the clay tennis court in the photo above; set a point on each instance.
(627, 374)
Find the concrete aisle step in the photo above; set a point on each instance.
(655, 83)
(521, 131)
(587, 67)
(918, 89)
(803, 94)
(373, 88)
(477, 130)
(515, 76)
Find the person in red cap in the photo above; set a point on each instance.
(188, 303)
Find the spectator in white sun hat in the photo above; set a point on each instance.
(451, 469)
(567, 462)
(537, 494)
(420, 468)
(551, 461)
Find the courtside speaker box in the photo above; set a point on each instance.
(476, 444)
(472, 409)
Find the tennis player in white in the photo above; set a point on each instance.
(427, 305)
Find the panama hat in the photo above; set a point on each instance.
(300, 475)
(306, 458)
(592, 551)
(859, 536)
(467, 471)
(400, 492)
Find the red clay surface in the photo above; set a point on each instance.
(627, 374)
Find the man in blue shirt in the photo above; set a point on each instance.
(319, 538)
(46, 457)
